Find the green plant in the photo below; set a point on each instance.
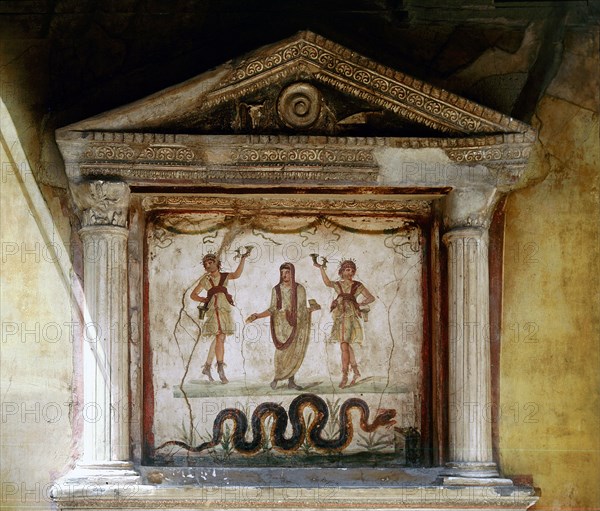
(185, 435)
(267, 445)
(306, 447)
(332, 428)
(375, 441)
(226, 442)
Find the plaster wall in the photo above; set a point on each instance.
(550, 359)
(36, 344)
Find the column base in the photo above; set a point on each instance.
(88, 480)
(476, 481)
(105, 470)
(473, 473)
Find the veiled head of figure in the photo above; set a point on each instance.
(286, 272)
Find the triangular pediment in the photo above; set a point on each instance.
(305, 85)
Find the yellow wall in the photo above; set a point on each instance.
(36, 349)
(550, 369)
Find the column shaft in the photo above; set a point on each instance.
(470, 428)
(106, 389)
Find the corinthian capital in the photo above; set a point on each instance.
(102, 202)
(470, 207)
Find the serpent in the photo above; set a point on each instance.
(300, 432)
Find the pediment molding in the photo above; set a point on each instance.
(299, 84)
(308, 55)
(273, 125)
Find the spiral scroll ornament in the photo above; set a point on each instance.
(299, 105)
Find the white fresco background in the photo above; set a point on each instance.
(389, 262)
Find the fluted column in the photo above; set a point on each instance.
(467, 214)
(104, 211)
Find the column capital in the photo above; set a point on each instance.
(102, 203)
(471, 232)
(470, 207)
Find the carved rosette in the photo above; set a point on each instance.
(299, 105)
(102, 203)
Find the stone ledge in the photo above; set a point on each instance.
(289, 489)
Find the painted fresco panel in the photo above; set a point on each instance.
(385, 338)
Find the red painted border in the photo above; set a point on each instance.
(441, 360)
(438, 371)
(147, 385)
(496, 269)
(427, 404)
(429, 407)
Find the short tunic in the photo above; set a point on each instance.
(347, 322)
(218, 317)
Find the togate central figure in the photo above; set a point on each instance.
(290, 325)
